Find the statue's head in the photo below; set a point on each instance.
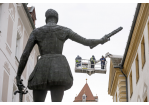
(51, 13)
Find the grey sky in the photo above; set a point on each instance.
(90, 20)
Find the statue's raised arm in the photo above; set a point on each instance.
(87, 42)
(92, 42)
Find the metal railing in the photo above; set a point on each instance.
(86, 64)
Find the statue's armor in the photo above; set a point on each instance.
(51, 39)
(52, 68)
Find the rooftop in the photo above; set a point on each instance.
(89, 96)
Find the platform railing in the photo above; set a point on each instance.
(86, 64)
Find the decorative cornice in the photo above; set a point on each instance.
(115, 81)
(6, 66)
(136, 36)
(8, 49)
(131, 31)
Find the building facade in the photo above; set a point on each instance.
(86, 95)
(130, 81)
(16, 24)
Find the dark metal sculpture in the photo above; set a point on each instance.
(111, 34)
(52, 71)
(22, 90)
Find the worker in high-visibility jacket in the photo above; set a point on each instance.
(78, 61)
(93, 61)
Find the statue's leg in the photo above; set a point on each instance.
(57, 93)
(39, 95)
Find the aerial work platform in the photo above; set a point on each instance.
(85, 67)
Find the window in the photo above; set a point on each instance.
(20, 26)
(137, 68)
(0, 17)
(143, 52)
(83, 97)
(5, 86)
(130, 81)
(11, 11)
(116, 97)
(145, 99)
(17, 54)
(9, 31)
(11, 18)
(25, 40)
(148, 33)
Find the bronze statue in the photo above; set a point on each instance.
(52, 71)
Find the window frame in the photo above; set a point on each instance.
(143, 57)
(137, 68)
(17, 50)
(131, 84)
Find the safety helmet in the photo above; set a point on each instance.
(51, 13)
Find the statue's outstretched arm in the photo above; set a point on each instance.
(87, 42)
(23, 60)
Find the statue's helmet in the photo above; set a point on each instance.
(51, 13)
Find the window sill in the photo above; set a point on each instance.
(131, 94)
(143, 65)
(137, 81)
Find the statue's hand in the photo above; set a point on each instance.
(18, 79)
(105, 39)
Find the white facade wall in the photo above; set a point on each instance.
(8, 61)
(141, 88)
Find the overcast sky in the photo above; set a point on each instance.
(92, 21)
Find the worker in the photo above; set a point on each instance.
(92, 60)
(102, 62)
(78, 61)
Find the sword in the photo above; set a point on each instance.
(22, 90)
(110, 34)
(114, 32)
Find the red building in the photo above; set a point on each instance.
(86, 95)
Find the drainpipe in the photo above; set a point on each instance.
(120, 67)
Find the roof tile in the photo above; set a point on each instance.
(87, 92)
